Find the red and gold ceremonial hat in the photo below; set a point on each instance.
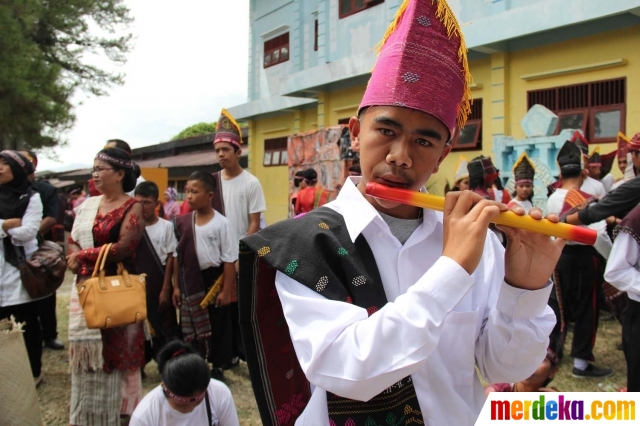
(422, 64)
(523, 169)
(227, 130)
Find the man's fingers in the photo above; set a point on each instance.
(518, 210)
(552, 217)
(488, 213)
(450, 201)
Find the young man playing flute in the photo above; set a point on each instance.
(381, 310)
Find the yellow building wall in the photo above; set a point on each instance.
(620, 44)
(481, 73)
(345, 103)
(274, 179)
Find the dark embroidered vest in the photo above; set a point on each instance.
(316, 251)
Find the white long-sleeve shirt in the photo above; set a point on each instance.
(12, 292)
(623, 266)
(439, 323)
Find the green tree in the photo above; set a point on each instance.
(196, 130)
(44, 45)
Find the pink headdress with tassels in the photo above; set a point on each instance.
(422, 64)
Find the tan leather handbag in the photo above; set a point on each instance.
(112, 301)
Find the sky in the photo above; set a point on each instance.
(189, 61)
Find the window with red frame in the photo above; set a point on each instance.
(598, 108)
(276, 50)
(470, 136)
(275, 152)
(349, 7)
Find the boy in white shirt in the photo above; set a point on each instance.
(156, 256)
(577, 275)
(206, 250)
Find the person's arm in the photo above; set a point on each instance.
(130, 234)
(176, 295)
(616, 203)
(50, 207)
(229, 256)
(29, 224)
(165, 298)
(257, 205)
(254, 223)
(621, 269)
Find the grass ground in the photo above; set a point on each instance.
(55, 390)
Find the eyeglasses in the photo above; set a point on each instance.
(182, 399)
(96, 170)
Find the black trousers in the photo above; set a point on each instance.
(577, 273)
(28, 314)
(631, 344)
(47, 315)
(165, 329)
(221, 343)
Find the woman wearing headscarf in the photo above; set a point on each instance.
(171, 207)
(20, 216)
(105, 364)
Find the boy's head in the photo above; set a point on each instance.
(228, 141)
(147, 194)
(408, 112)
(199, 190)
(570, 163)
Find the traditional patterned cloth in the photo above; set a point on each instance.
(623, 145)
(634, 143)
(227, 130)
(461, 170)
(574, 201)
(630, 224)
(105, 377)
(523, 169)
(195, 322)
(337, 275)
(422, 64)
(481, 167)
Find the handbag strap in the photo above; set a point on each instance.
(101, 260)
(206, 400)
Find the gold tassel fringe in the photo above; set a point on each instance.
(623, 137)
(446, 16)
(232, 120)
(524, 157)
(213, 293)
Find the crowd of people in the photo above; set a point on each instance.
(383, 310)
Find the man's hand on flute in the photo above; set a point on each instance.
(530, 257)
